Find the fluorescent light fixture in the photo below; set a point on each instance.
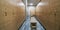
(20, 4)
(31, 4)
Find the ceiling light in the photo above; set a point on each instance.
(20, 4)
(31, 4)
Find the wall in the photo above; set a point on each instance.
(11, 15)
(49, 14)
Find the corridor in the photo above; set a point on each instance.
(29, 14)
(27, 24)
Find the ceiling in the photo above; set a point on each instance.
(31, 2)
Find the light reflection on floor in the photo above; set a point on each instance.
(26, 24)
